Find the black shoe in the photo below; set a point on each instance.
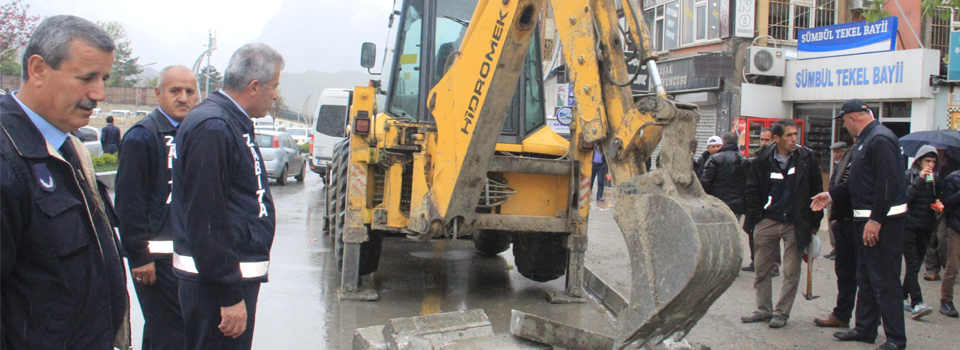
(890, 346)
(853, 335)
(947, 309)
(776, 273)
(832, 255)
(748, 268)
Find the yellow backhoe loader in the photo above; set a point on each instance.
(462, 148)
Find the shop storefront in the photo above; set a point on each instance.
(696, 80)
(894, 84)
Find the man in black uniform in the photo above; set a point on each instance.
(877, 195)
(845, 249)
(223, 212)
(143, 205)
(110, 137)
(62, 282)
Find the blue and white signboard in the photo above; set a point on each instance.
(903, 74)
(953, 67)
(847, 39)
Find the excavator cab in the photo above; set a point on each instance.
(427, 43)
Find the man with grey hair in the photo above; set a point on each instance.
(222, 243)
(143, 205)
(62, 281)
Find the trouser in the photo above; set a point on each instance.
(915, 244)
(846, 268)
(953, 263)
(833, 240)
(162, 319)
(201, 316)
(767, 236)
(936, 256)
(599, 174)
(878, 277)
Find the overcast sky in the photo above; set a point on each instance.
(175, 31)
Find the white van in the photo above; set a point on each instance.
(329, 127)
(265, 123)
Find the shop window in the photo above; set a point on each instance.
(787, 17)
(664, 23)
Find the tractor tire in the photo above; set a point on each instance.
(369, 250)
(282, 180)
(491, 242)
(540, 256)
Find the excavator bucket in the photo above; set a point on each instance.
(684, 245)
(684, 253)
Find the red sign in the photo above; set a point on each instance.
(742, 126)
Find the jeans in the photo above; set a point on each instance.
(915, 244)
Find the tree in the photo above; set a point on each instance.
(10, 66)
(930, 5)
(216, 79)
(874, 10)
(125, 69)
(15, 29)
(279, 105)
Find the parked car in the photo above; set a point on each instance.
(281, 156)
(121, 114)
(329, 127)
(301, 135)
(91, 138)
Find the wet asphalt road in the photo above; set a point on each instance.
(299, 309)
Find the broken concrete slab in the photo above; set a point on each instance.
(499, 342)
(601, 286)
(369, 338)
(433, 331)
(557, 334)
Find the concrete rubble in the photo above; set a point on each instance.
(556, 334)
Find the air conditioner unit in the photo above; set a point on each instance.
(857, 5)
(766, 61)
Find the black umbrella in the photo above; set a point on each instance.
(947, 140)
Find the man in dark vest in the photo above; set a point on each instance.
(877, 196)
(222, 243)
(143, 205)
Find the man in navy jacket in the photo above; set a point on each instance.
(876, 192)
(62, 282)
(143, 205)
(110, 137)
(223, 213)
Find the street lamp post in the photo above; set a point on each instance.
(211, 45)
(306, 103)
